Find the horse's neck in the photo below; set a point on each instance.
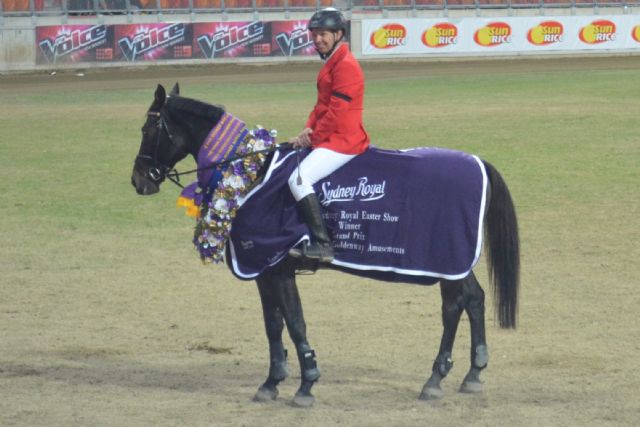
(195, 132)
(191, 117)
(199, 135)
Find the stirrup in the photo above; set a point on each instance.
(322, 253)
(296, 252)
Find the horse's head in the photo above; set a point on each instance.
(164, 143)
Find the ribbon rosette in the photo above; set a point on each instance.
(216, 207)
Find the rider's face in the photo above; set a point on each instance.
(324, 40)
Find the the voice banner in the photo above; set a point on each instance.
(537, 34)
(162, 41)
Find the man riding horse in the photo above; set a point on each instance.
(458, 198)
(334, 130)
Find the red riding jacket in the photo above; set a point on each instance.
(336, 119)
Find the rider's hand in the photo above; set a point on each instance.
(303, 139)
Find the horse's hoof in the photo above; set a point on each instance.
(471, 387)
(431, 393)
(265, 395)
(303, 400)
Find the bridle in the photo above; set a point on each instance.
(158, 171)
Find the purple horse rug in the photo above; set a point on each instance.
(410, 216)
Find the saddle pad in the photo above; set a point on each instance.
(410, 216)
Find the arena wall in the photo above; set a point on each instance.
(18, 48)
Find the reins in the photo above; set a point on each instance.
(174, 176)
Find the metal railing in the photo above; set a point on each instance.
(10, 8)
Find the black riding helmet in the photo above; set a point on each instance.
(328, 19)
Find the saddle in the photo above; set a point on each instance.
(410, 216)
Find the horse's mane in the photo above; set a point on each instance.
(195, 108)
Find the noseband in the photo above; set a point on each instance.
(158, 171)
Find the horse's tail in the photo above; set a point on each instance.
(503, 244)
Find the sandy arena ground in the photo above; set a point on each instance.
(125, 341)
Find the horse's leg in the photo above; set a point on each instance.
(474, 306)
(452, 307)
(289, 302)
(274, 325)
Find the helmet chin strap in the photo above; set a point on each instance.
(325, 56)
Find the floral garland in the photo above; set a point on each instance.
(238, 177)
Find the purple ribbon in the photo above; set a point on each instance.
(220, 144)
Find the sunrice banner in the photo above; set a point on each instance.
(494, 35)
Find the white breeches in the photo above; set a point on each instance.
(317, 165)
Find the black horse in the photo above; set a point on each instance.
(176, 127)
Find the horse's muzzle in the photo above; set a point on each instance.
(143, 185)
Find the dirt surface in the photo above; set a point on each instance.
(302, 72)
(104, 342)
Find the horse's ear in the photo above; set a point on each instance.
(176, 90)
(160, 96)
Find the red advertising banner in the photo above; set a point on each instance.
(149, 42)
(231, 39)
(74, 43)
(291, 38)
(172, 41)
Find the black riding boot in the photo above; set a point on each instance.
(320, 247)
